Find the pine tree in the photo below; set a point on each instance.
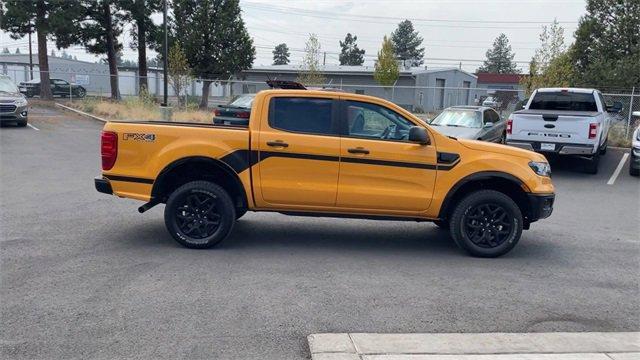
(6, 51)
(406, 44)
(350, 53)
(281, 54)
(310, 73)
(500, 58)
(215, 49)
(47, 18)
(386, 69)
(17, 51)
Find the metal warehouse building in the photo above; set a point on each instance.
(415, 89)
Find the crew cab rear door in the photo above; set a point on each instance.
(556, 117)
(298, 153)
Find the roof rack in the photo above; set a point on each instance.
(284, 84)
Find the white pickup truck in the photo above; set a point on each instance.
(565, 121)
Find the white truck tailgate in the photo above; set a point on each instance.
(552, 126)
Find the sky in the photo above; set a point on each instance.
(454, 31)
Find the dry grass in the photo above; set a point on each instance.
(619, 136)
(136, 110)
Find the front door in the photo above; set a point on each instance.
(380, 170)
(299, 151)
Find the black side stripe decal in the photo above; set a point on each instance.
(241, 160)
(129, 179)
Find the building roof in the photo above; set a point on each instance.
(491, 78)
(345, 69)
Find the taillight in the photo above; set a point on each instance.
(216, 112)
(108, 149)
(243, 114)
(509, 126)
(593, 130)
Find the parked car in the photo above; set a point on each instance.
(330, 154)
(13, 105)
(471, 122)
(564, 121)
(237, 112)
(634, 166)
(492, 102)
(59, 87)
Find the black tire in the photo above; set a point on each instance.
(81, 93)
(500, 231)
(603, 149)
(205, 205)
(632, 171)
(442, 224)
(591, 166)
(22, 123)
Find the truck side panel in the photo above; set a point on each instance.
(145, 149)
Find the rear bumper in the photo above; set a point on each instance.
(559, 148)
(103, 185)
(541, 206)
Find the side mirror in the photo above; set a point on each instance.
(616, 107)
(418, 135)
(488, 125)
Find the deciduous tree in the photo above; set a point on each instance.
(179, 71)
(350, 54)
(386, 68)
(310, 73)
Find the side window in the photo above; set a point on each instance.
(493, 116)
(303, 115)
(375, 122)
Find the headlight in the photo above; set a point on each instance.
(21, 102)
(540, 168)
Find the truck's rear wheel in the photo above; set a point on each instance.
(486, 223)
(591, 166)
(199, 214)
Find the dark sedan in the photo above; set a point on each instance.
(237, 112)
(59, 87)
(471, 122)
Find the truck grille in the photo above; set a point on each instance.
(7, 108)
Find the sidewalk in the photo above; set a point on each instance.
(500, 346)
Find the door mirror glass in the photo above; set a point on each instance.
(616, 107)
(418, 135)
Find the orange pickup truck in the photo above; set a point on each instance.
(331, 154)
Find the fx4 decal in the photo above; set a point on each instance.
(139, 137)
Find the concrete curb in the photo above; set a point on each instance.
(505, 346)
(81, 113)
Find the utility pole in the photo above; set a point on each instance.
(166, 54)
(324, 58)
(30, 54)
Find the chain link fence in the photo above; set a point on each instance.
(425, 101)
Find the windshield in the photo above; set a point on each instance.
(244, 101)
(7, 85)
(461, 118)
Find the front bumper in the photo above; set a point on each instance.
(540, 206)
(559, 148)
(18, 114)
(103, 185)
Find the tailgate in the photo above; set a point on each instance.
(552, 126)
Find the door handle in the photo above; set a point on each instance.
(358, 150)
(277, 143)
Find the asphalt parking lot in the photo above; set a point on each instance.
(83, 275)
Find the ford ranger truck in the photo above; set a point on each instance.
(564, 121)
(329, 154)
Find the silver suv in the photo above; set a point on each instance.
(13, 105)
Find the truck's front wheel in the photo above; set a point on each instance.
(199, 214)
(486, 223)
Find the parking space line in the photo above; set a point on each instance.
(618, 169)
(33, 127)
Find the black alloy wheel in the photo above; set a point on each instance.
(199, 214)
(487, 225)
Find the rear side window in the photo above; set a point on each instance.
(564, 101)
(304, 115)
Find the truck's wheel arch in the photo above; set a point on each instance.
(495, 180)
(195, 168)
